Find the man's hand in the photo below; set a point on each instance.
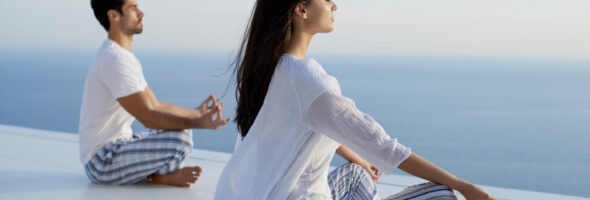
(204, 107)
(207, 119)
(154, 114)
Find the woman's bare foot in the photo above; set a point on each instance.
(182, 178)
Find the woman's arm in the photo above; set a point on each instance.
(337, 117)
(422, 168)
(352, 157)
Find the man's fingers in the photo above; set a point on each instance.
(205, 103)
(216, 109)
(224, 122)
(215, 102)
(219, 111)
(212, 112)
(209, 98)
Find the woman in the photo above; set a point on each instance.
(292, 118)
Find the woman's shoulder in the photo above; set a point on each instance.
(297, 68)
(307, 77)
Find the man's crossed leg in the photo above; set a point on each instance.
(157, 157)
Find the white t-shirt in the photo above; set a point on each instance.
(304, 119)
(115, 73)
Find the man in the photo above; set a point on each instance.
(116, 94)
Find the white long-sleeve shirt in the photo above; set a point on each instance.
(304, 119)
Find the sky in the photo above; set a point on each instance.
(501, 28)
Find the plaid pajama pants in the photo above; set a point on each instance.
(351, 182)
(133, 160)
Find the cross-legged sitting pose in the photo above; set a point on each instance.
(116, 94)
(292, 118)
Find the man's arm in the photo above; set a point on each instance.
(177, 110)
(153, 114)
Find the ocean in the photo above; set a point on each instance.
(506, 122)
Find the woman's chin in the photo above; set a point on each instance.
(328, 30)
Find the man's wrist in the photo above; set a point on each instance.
(196, 122)
(196, 113)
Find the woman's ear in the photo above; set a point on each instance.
(113, 15)
(300, 11)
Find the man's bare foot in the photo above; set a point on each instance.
(182, 178)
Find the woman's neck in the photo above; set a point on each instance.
(298, 44)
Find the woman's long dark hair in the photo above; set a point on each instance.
(269, 30)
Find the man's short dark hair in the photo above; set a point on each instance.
(101, 7)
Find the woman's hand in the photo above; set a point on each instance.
(372, 170)
(422, 168)
(352, 157)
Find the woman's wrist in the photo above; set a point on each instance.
(461, 185)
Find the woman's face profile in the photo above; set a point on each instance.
(320, 16)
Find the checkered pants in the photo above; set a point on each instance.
(133, 160)
(351, 181)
